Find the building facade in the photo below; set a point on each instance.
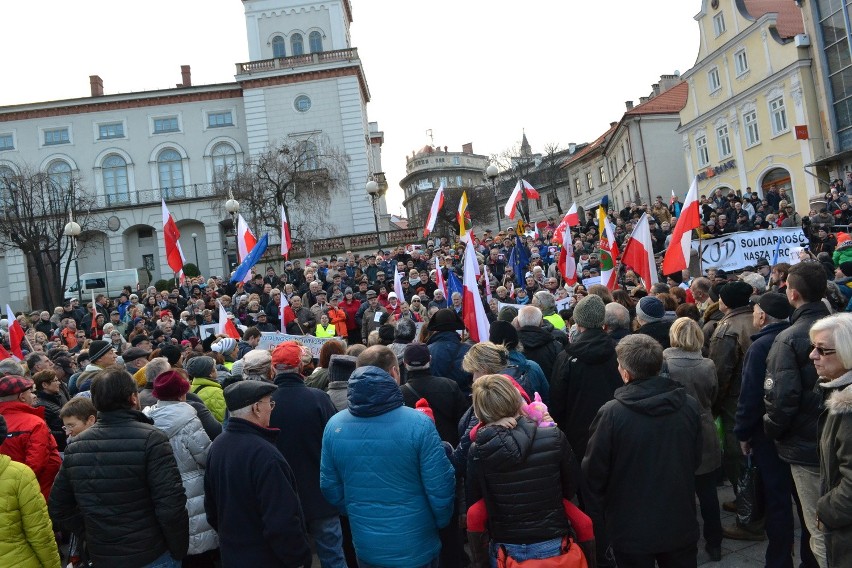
(304, 84)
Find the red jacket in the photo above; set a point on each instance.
(30, 442)
(351, 310)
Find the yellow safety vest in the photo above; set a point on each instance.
(556, 321)
(327, 332)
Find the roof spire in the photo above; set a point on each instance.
(526, 150)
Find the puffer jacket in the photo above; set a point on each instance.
(527, 473)
(447, 352)
(842, 253)
(120, 480)
(542, 346)
(384, 466)
(27, 539)
(30, 442)
(52, 404)
(698, 375)
(834, 507)
(728, 347)
(190, 445)
(792, 405)
(211, 394)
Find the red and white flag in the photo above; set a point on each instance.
(16, 334)
(518, 194)
(437, 204)
(566, 263)
(245, 242)
(473, 312)
(282, 313)
(677, 255)
(571, 219)
(226, 324)
(171, 238)
(286, 242)
(487, 282)
(439, 277)
(94, 333)
(639, 253)
(397, 284)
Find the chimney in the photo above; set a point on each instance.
(97, 85)
(643, 100)
(629, 105)
(612, 124)
(467, 148)
(185, 76)
(445, 149)
(572, 147)
(656, 89)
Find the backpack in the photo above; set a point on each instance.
(520, 376)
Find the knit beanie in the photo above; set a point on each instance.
(200, 366)
(846, 268)
(650, 309)
(386, 334)
(503, 333)
(340, 367)
(224, 345)
(590, 312)
(507, 313)
(736, 294)
(170, 385)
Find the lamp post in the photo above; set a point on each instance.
(373, 191)
(492, 172)
(232, 206)
(73, 230)
(195, 246)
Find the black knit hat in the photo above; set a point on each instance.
(340, 367)
(736, 294)
(503, 332)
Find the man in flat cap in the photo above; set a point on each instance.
(249, 488)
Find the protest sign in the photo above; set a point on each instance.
(738, 250)
(271, 339)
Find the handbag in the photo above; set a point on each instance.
(570, 556)
(750, 499)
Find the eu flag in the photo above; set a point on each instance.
(519, 260)
(453, 284)
(251, 259)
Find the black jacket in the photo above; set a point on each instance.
(527, 472)
(52, 404)
(444, 396)
(658, 330)
(585, 377)
(649, 437)
(540, 346)
(250, 499)
(792, 404)
(300, 414)
(120, 480)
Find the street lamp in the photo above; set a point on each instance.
(373, 191)
(73, 230)
(492, 172)
(232, 206)
(195, 246)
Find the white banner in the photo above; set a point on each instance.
(738, 250)
(271, 339)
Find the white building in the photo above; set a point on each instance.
(304, 80)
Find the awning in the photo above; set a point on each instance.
(829, 159)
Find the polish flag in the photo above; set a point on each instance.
(571, 219)
(677, 255)
(16, 334)
(286, 241)
(439, 277)
(608, 248)
(566, 263)
(4, 354)
(284, 316)
(473, 313)
(94, 333)
(171, 237)
(517, 194)
(487, 282)
(437, 204)
(245, 241)
(226, 324)
(397, 284)
(639, 253)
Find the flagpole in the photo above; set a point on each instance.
(700, 267)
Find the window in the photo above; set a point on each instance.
(168, 124)
(713, 80)
(302, 103)
(219, 119)
(170, 170)
(444, 181)
(740, 62)
(114, 170)
(278, 47)
(603, 174)
(723, 141)
(59, 172)
(307, 160)
(56, 136)
(458, 181)
(577, 188)
(456, 161)
(112, 130)
(589, 181)
(297, 45)
(719, 24)
(224, 161)
(751, 131)
(315, 40)
(778, 114)
(701, 150)
(7, 142)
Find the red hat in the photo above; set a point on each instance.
(165, 313)
(170, 385)
(13, 384)
(422, 405)
(842, 237)
(288, 354)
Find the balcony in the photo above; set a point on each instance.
(296, 61)
(153, 196)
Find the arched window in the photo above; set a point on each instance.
(297, 44)
(278, 47)
(7, 180)
(224, 162)
(59, 172)
(170, 170)
(307, 159)
(115, 180)
(315, 40)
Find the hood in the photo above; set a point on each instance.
(450, 336)
(654, 396)
(593, 346)
(678, 353)
(504, 448)
(170, 415)
(372, 392)
(840, 402)
(840, 382)
(534, 337)
(712, 312)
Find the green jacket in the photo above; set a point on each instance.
(211, 394)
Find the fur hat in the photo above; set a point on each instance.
(650, 309)
(200, 366)
(170, 385)
(736, 294)
(590, 312)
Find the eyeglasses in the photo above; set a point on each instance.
(270, 402)
(823, 351)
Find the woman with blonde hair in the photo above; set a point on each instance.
(684, 364)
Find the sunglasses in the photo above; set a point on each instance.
(823, 351)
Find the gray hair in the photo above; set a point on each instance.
(545, 299)
(840, 328)
(529, 315)
(154, 367)
(616, 316)
(640, 355)
(243, 412)
(406, 329)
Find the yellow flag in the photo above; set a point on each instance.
(463, 217)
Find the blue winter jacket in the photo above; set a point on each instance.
(533, 376)
(447, 352)
(383, 465)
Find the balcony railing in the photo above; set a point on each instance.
(363, 241)
(296, 61)
(149, 196)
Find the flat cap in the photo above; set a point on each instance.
(246, 393)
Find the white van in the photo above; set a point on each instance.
(98, 282)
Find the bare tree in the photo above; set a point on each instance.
(514, 164)
(36, 207)
(301, 175)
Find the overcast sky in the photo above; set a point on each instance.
(468, 70)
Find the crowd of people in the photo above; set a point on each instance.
(136, 435)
